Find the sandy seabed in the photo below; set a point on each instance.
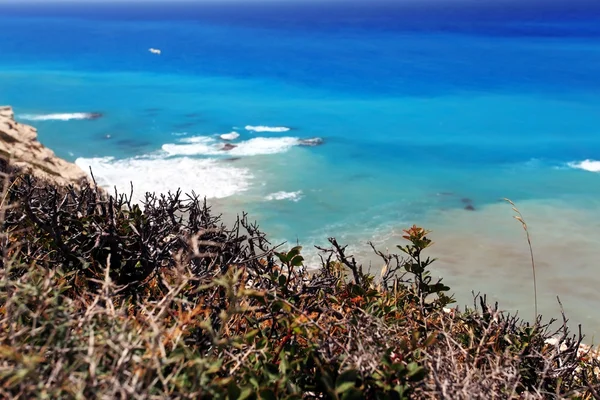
(486, 251)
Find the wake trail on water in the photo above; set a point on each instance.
(60, 116)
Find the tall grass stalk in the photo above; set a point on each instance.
(519, 217)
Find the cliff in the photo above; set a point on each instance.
(20, 146)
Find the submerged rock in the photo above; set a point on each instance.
(317, 141)
(95, 115)
(228, 146)
(469, 207)
(193, 115)
(184, 125)
(132, 143)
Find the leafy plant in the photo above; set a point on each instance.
(416, 265)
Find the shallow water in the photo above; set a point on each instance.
(487, 252)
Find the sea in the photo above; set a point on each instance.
(350, 119)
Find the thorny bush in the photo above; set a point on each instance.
(102, 298)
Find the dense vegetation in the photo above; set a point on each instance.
(101, 298)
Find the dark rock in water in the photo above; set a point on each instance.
(232, 159)
(95, 115)
(469, 207)
(311, 142)
(228, 146)
(132, 143)
(151, 111)
(466, 200)
(184, 125)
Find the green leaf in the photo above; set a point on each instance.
(267, 394)
(297, 261)
(345, 381)
(327, 381)
(415, 372)
(233, 391)
(294, 252)
(252, 334)
(283, 364)
(430, 340)
(214, 367)
(282, 257)
(272, 371)
(246, 393)
(353, 394)
(341, 388)
(282, 280)
(401, 389)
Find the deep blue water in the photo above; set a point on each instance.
(420, 104)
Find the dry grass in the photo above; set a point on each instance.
(99, 299)
(519, 217)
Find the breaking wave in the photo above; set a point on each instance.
(230, 136)
(267, 128)
(209, 178)
(292, 196)
(205, 145)
(588, 165)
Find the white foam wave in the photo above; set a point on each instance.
(197, 139)
(588, 165)
(260, 145)
(292, 196)
(230, 136)
(261, 128)
(204, 145)
(155, 51)
(58, 116)
(192, 149)
(209, 178)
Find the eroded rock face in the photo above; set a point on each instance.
(19, 145)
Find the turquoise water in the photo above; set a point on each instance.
(422, 111)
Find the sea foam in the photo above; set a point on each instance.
(204, 145)
(58, 116)
(209, 178)
(261, 128)
(230, 136)
(292, 196)
(588, 165)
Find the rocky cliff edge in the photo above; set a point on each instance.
(19, 145)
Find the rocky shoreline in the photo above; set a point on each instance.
(20, 147)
